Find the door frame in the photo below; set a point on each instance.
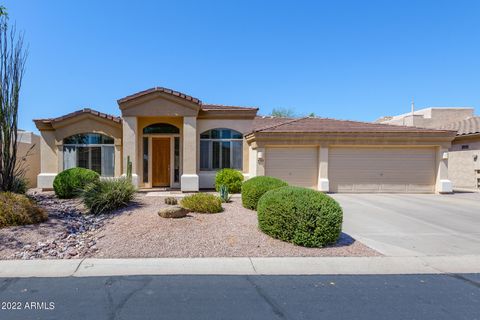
(150, 137)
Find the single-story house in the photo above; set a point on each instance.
(174, 140)
(463, 155)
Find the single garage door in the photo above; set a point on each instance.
(297, 166)
(382, 170)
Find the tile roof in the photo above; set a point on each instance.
(464, 127)
(76, 113)
(160, 89)
(310, 124)
(221, 107)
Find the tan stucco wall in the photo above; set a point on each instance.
(28, 156)
(159, 105)
(462, 167)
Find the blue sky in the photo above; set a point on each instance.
(354, 60)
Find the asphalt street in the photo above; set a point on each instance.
(243, 297)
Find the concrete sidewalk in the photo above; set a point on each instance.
(241, 266)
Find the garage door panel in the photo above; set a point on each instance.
(393, 170)
(297, 166)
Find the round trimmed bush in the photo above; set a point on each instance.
(18, 209)
(202, 203)
(302, 216)
(230, 178)
(254, 188)
(70, 183)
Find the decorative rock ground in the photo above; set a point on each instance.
(173, 212)
(78, 238)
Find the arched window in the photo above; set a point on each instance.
(161, 128)
(221, 148)
(91, 151)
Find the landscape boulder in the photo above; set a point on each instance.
(172, 212)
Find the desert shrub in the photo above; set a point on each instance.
(202, 203)
(20, 185)
(70, 183)
(230, 178)
(254, 188)
(224, 194)
(302, 216)
(18, 209)
(106, 195)
(171, 200)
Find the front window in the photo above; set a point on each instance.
(221, 148)
(91, 151)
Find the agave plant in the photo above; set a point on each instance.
(224, 195)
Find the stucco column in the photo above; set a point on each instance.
(443, 185)
(130, 131)
(189, 180)
(49, 160)
(260, 161)
(323, 183)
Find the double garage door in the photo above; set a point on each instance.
(357, 170)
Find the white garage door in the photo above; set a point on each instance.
(297, 166)
(381, 170)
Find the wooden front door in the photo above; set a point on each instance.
(161, 162)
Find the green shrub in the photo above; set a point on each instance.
(106, 195)
(20, 185)
(171, 201)
(70, 183)
(18, 209)
(254, 188)
(202, 203)
(230, 178)
(302, 216)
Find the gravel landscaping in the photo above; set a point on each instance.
(138, 231)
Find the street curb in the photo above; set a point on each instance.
(241, 266)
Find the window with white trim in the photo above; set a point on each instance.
(91, 151)
(221, 148)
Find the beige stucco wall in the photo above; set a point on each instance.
(28, 156)
(463, 167)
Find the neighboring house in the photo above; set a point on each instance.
(28, 156)
(463, 162)
(177, 141)
(464, 155)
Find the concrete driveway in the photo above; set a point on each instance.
(414, 225)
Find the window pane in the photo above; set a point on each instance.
(145, 160)
(215, 134)
(205, 155)
(96, 159)
(88, 138)
(237, 154)
(215, 155)
(69, 157)
(226, 154)
(226, 133)
(236, 135)
(161, 128)
(83, 157)
(108, 161)
(176, 160)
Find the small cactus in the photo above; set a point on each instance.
(129, 169)
(224, 195)
(171, 201)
